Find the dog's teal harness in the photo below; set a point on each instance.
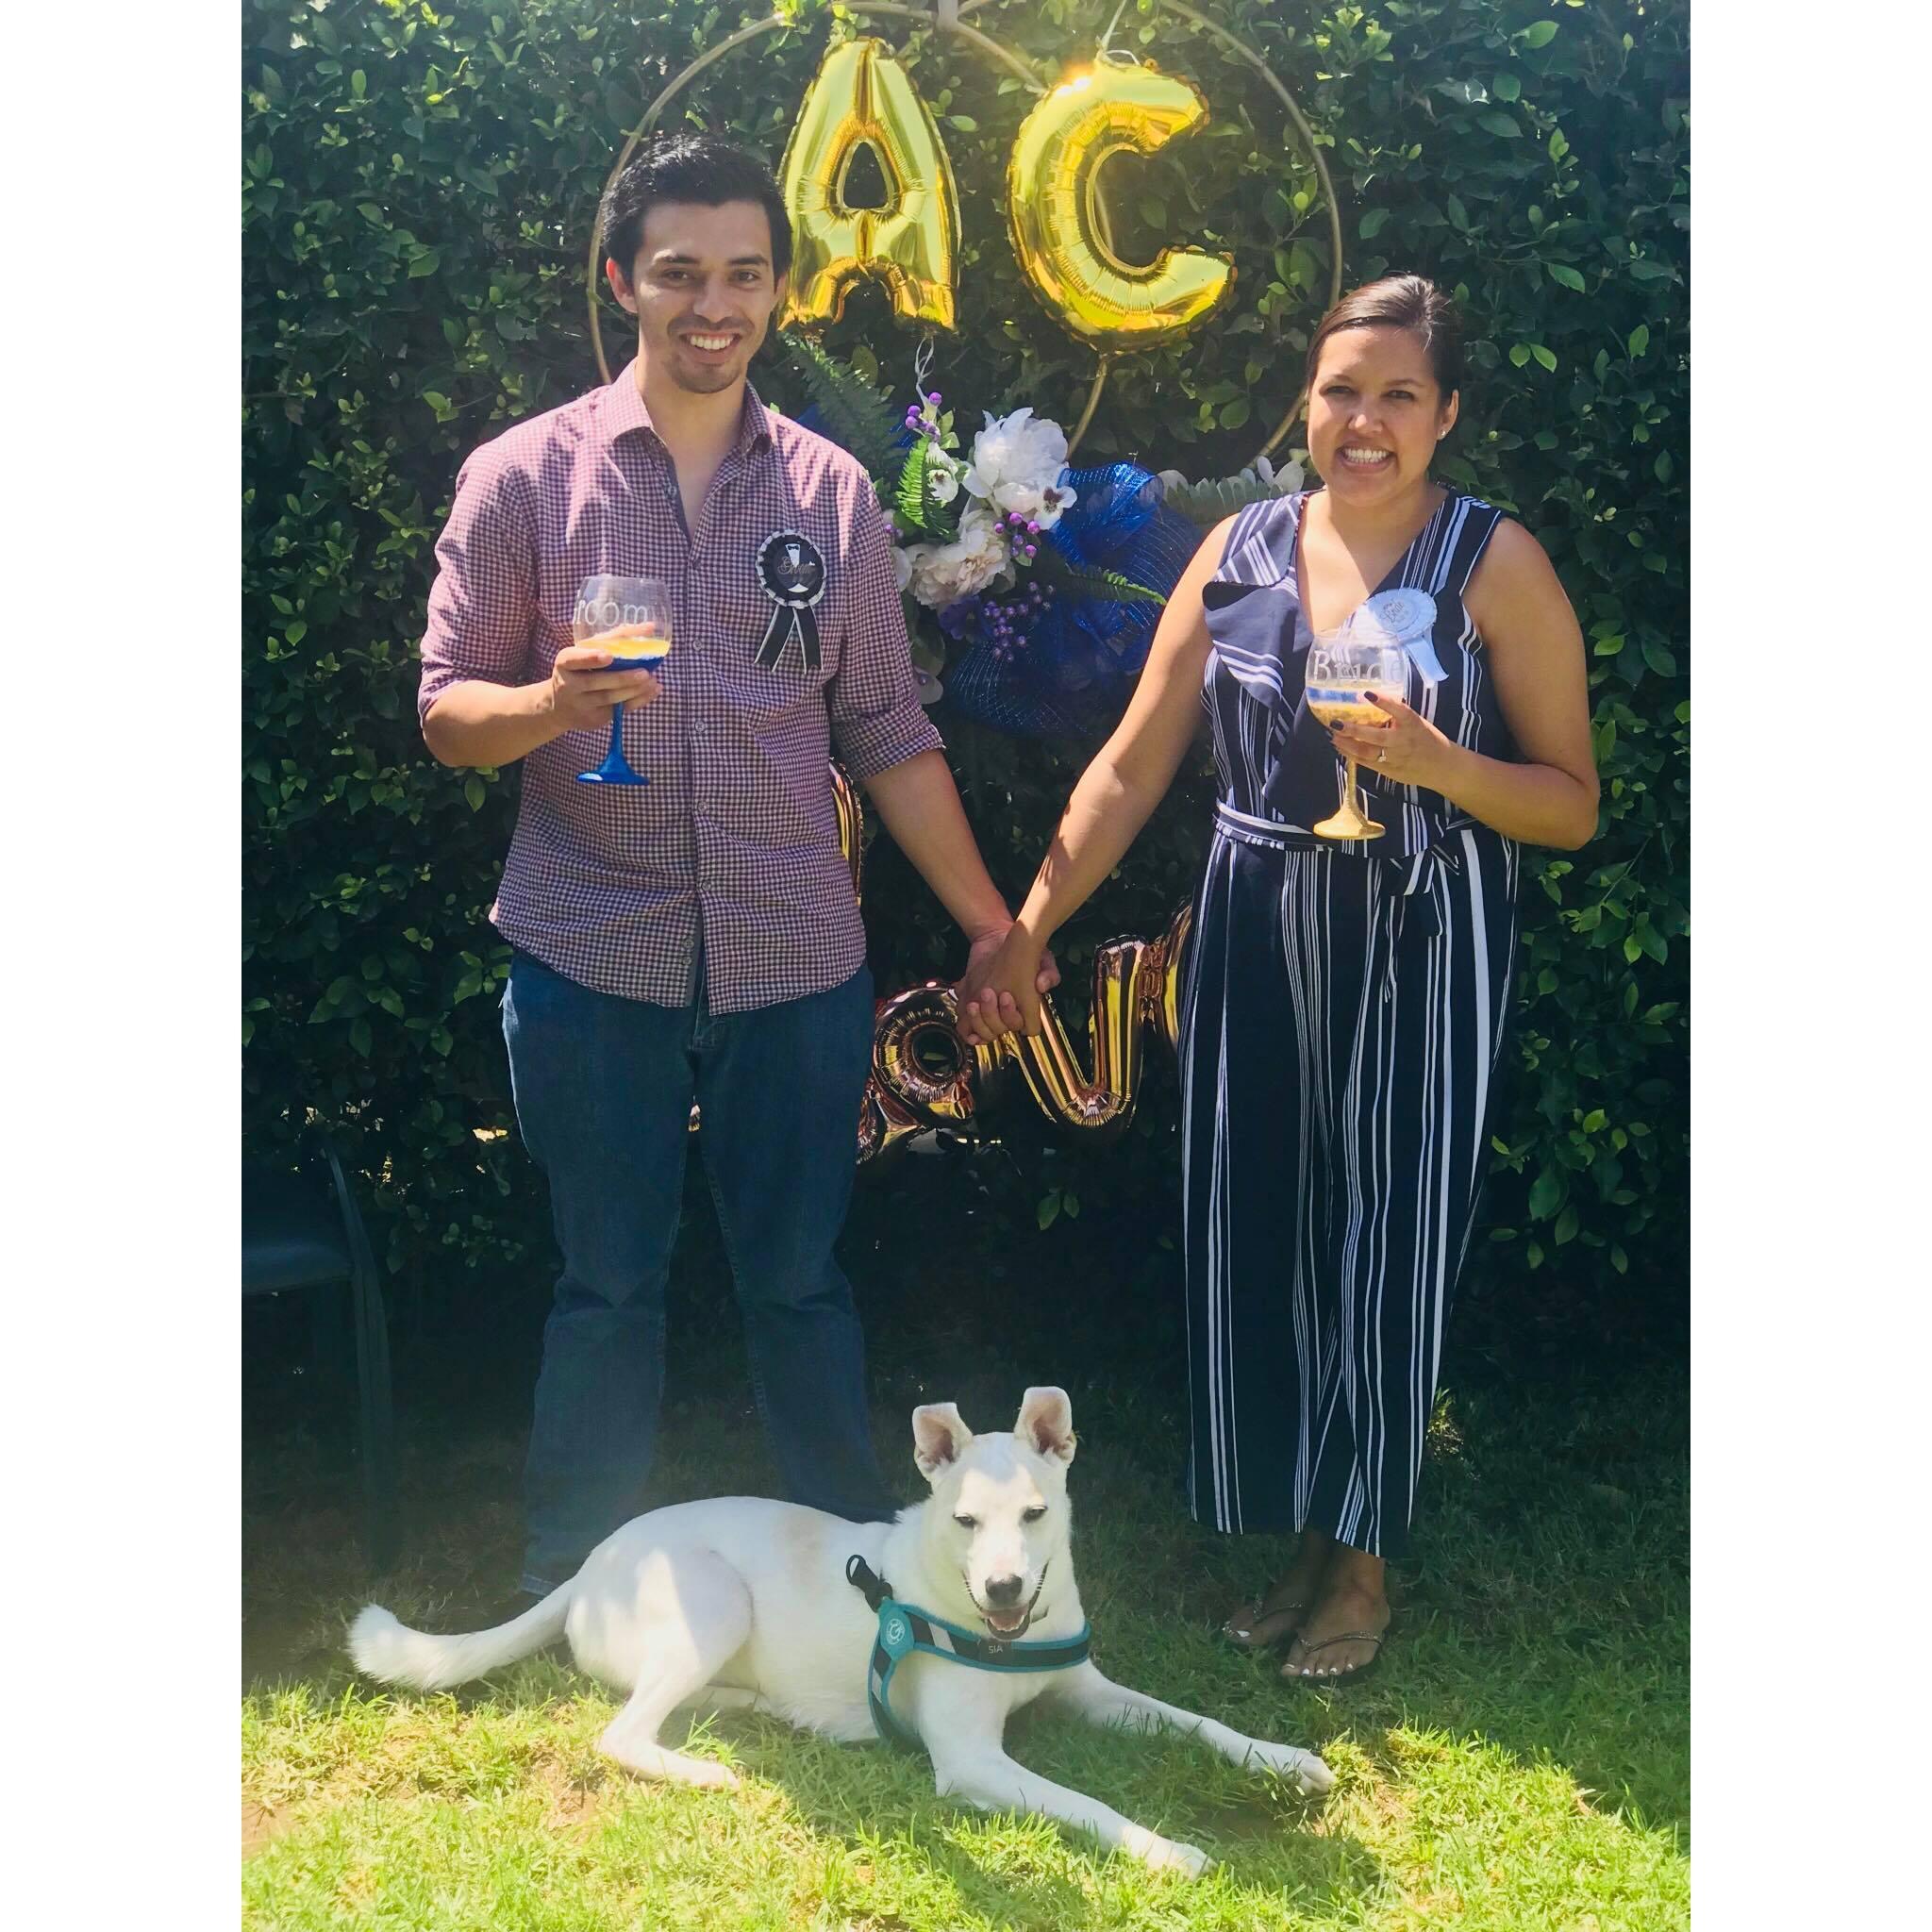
(903, 1628)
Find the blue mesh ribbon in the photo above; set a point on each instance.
(1073, 673)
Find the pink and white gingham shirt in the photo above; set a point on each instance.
(733, 847)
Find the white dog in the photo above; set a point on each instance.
(738, 1603)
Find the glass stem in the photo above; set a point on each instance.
(615, 756)
(1350, 794)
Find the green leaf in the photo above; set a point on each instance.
(1539, 33)
(476, 791)
(1235, 413)
(1458, 215)
(1496, 122)
(423, 264)
(1546, 356)
(1640, 339)
(1370, 224)
(908, 499)
(1505, 87)
(1658, 658)
(1519, 354)
(1048, 1210)
(1547, 1194)
(1566, 1225)
(1568, 276)
(964, 122)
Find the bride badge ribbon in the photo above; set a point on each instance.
(792, 574)
(1406, 618)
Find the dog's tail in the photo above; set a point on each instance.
(392, 1652)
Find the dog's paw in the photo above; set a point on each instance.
(1165, 1855)
(1308, 1774)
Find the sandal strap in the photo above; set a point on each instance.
(1373, 1637)
(1253, 1614)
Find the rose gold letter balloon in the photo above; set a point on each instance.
(1059, 234)
(860, 95)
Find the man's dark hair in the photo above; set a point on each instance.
(705, 169)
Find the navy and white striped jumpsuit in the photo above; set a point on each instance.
(1343, 1013)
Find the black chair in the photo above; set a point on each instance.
(296, 1238)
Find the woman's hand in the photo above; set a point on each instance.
(1001, 994)
(1408, 750)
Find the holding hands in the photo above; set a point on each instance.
(1005, 974)
(1404, 749)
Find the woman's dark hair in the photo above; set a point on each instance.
(1410, 301)
(701, 168)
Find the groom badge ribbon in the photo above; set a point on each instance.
(792, 574)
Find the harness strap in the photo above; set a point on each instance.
(903, 1628)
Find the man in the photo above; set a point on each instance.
(695, 938)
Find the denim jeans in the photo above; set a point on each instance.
(604, 1089)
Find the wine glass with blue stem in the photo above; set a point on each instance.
(629, 617)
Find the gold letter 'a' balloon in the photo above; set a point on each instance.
(1059, 233)
(859, 96)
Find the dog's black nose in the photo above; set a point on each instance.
(1003, 1590)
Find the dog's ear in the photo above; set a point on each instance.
(1046, 1424)
(939, 1436)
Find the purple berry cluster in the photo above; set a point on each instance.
(1006, 626)
(922, 418)
(1023, 533)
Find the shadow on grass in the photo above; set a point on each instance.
(1540, 1633)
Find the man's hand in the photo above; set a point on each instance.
(1007, 970)
(583, 690)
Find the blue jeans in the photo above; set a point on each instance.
(604, 1089)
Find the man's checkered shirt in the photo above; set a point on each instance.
(733, 846)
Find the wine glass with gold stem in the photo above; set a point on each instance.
(629, 617)
(1346, 670)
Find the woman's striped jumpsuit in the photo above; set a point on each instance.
(1342, 1018)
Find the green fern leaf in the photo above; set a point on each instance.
(858, 415)
(910, 504)
(1052, 568)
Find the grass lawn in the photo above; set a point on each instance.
(1521, 1760)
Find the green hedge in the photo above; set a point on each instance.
(419, 187)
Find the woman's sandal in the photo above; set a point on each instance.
(1241, 1628)
(1306, 1676)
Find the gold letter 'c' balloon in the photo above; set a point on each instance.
(862, 94)
(1059, 234)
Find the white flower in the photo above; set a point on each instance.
(941, 480)
(902, 567)
(1283, 481)
(941, 573)
(1017, 464)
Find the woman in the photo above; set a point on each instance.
(1346, 1002)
